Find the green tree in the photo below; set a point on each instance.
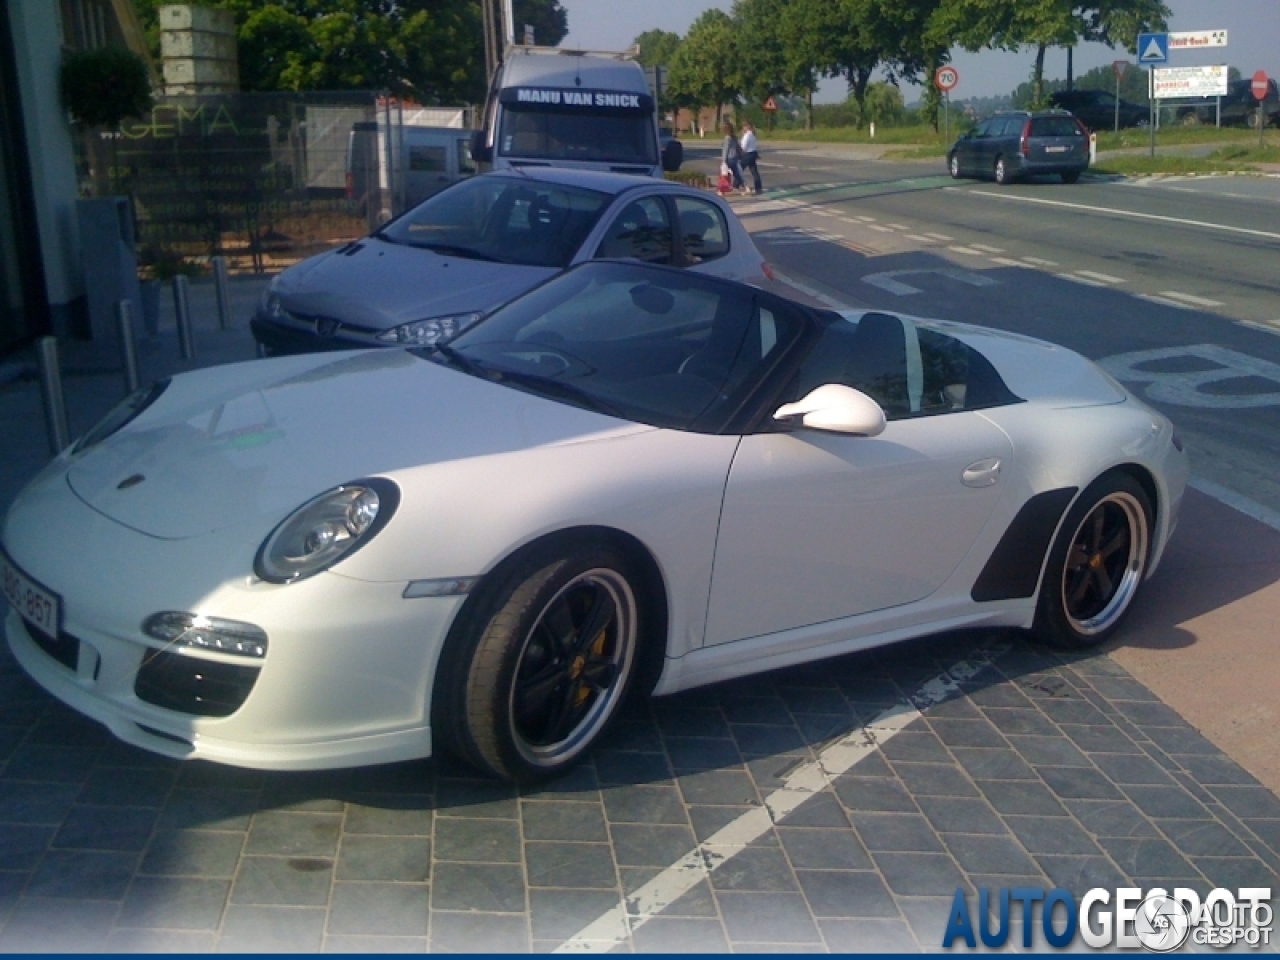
(1014, 24)
(657, 47)
(704, 70)
(429, 50)
(549, 20)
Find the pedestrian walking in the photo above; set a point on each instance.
(750, 154)
(731, 155)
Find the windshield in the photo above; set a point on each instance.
(584, 135)
(647, 344)
(504, 219)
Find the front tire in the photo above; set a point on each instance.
(1096, 565)
(1001, 172)
(953, 167)
(539, 672)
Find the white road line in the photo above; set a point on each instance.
(1041, 263)
(1165, 302)
(985, 249)
(1021, 198)
(616, 925)
(1273, 327)
(1100, 277)
(1085, 280)
(941, 237)
(967, 250)
(1188, 298)
(804, 288)
(917, 238)
(1006, 262)
(877, 227)
(867, 219)
(899, 226)
(823, 213)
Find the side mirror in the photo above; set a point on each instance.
(838, 409)
(672, 155)
(481, 152)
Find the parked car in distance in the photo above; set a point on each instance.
(1096, 109)
(1021, 143)
(481, 241)
(1239, 106)
(631, 478)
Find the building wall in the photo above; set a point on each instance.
(38, 42)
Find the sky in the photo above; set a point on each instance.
(1253, 40)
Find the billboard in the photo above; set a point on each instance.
(1172, 82)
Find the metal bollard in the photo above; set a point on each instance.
(224, 293)
(128, 346)
(182, 309)
(55, 405)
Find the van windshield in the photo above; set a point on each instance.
(502, 218)
(592, 136)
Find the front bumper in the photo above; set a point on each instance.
(280, 340)
(346, 679)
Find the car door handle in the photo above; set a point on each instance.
(981, 474)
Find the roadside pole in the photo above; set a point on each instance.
(1153, 49)
(1119, 67)
(1260, 84)
(1151, 97)
(945, 79)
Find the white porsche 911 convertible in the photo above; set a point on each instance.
(630, 479)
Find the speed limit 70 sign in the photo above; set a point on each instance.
(946, 78)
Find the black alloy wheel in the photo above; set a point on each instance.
(1097, 563)
(532, 675)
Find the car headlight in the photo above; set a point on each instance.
(423, 333)
(325, 530)
(125, 411)
(270, 305)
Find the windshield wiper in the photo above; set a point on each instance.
(566, 391)
(460, 360)
(457, 251)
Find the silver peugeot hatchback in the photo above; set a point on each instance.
(477, 244)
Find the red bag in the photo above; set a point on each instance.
(725, 185)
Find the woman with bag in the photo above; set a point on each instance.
(731, 155)
(750, 154)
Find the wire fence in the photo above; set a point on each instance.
(262, 179)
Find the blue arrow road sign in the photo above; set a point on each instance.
(1153, 47)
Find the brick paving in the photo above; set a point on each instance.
(1040, 770)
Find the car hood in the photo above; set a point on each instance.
(251, 442)
(372, 283)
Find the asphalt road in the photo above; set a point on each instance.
(1174, 284)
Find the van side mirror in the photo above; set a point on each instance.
(672, 155)
(481, 152)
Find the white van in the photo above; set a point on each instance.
(567, 108)
(425, 161)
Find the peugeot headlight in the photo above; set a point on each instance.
(424, 333)
(125, 411)
(270, 306)
(320, 533)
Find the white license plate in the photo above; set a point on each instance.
(1055, 149)
(40, 607)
